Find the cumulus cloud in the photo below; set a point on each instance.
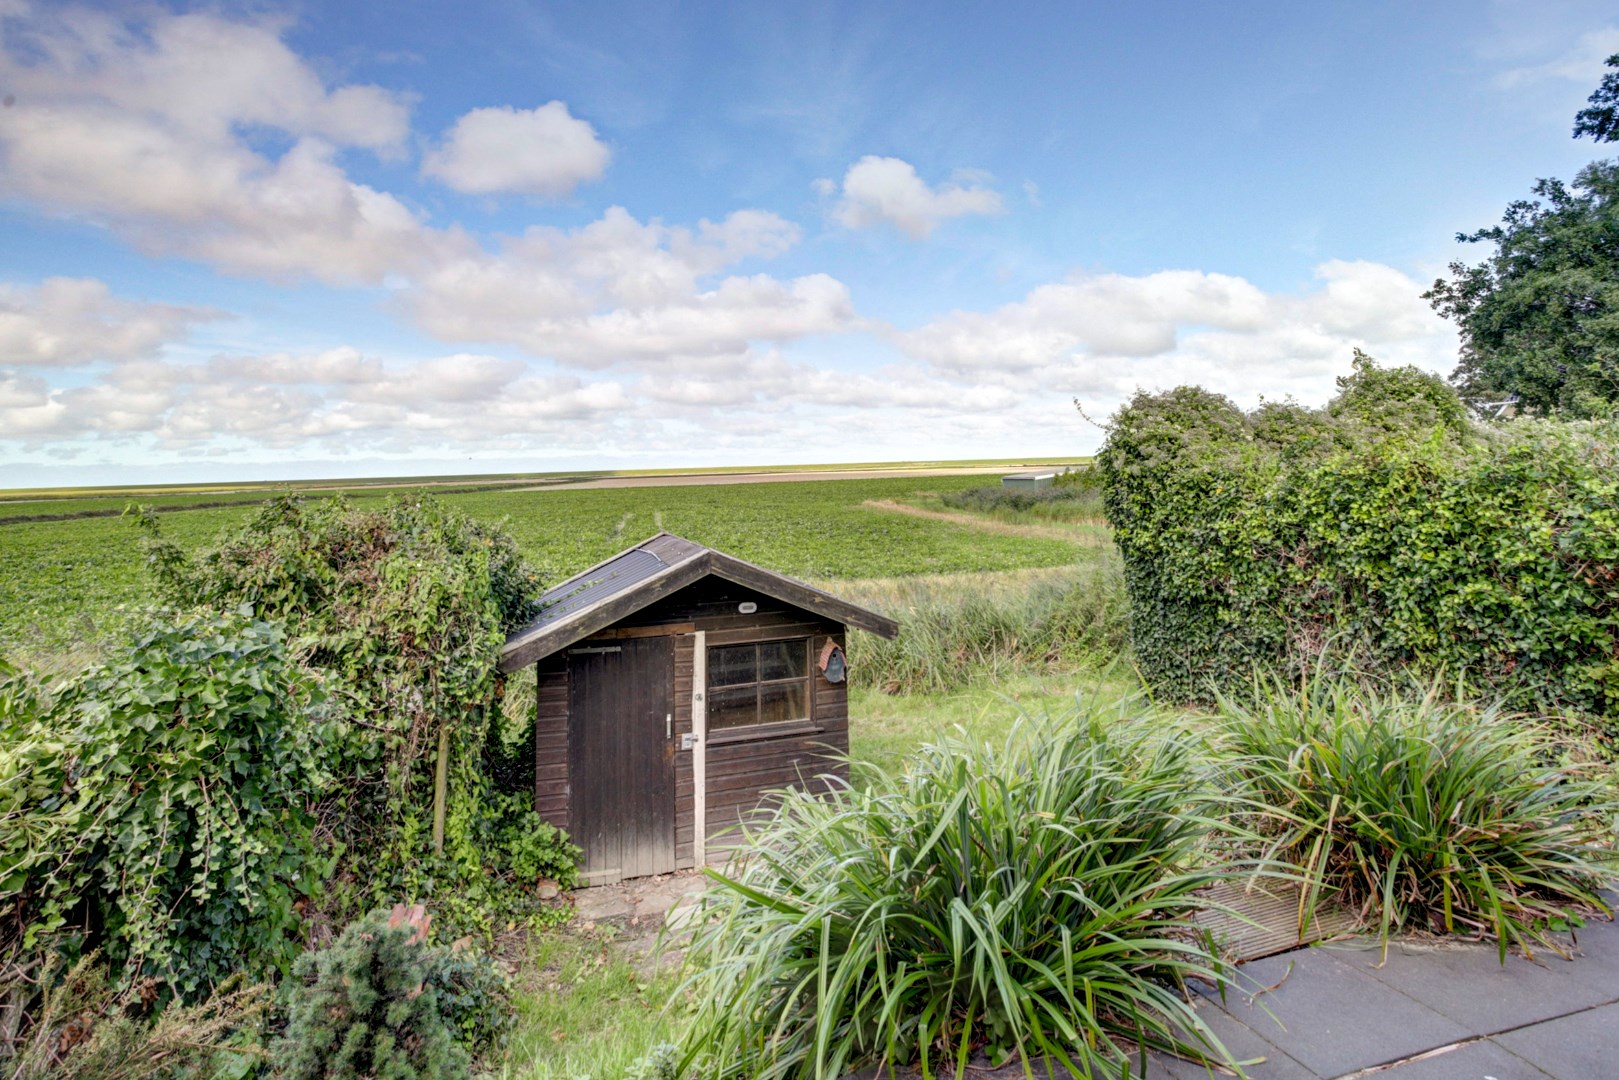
(1102, 335)
(154, 125)
(878, 190)
(622, 291)
(544, 151)
(141, 124)
(66, 322)
(297, 400)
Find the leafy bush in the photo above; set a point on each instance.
(380, 1002)
(158, 803)
(1425, 813)
(951, 633)
(405, 609)
(1028, 899)
(1382, 524)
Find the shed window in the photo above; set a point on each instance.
(764, 683)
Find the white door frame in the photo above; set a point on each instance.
(699, 750)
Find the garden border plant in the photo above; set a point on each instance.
(1424, 812)
(1025, 900)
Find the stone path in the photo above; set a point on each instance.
(1431, 1012)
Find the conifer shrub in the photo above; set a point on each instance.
(1384, 526)
(380, 1002)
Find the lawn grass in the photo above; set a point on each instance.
(585, 1010)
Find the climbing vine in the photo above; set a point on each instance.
(404, 610)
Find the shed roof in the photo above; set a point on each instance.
(649, 571)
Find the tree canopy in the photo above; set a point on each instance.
(1539, 318)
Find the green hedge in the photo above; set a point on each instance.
(1384, 526)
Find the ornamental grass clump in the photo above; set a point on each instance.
(1426, 813)
(1026, 900)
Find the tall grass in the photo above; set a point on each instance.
(1423, 812)
(957, 629)
(1026, 899)
(1075, 496)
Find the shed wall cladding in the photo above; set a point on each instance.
(741, 763)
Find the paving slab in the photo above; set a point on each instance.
(1481, 1060)
(1470, 984)
(1262, 1060)
(1333, 1018)
(1584, 1046)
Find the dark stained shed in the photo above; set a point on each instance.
(676, 688)
(649, 571)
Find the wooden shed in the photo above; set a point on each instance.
(677, 685)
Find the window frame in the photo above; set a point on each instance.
(770, 728)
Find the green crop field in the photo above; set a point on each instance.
(65, 581)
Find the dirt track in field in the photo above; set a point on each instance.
(691, 479)
(1075, 535)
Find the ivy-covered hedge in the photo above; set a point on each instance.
(402, 610)
(1383, 526)
(156, 805)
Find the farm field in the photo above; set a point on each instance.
(63, 582)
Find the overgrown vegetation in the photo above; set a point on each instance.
(953, 631)
(1073, 496)
(87, 1029)
(157, 806)
(404, 610)
(1427, 813)
(1026, 899)
(1384, 526)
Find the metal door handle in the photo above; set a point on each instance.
(668, 725)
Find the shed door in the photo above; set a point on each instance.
(623, 757)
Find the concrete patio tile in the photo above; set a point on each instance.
(1333, 1018)
(1482, 1060)
(1244, 1045)
(1469, 984)
(1583, 1046)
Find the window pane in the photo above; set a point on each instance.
(783, 660)
(732, 708)
(729, 665)
(783, 701)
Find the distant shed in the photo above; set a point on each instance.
(677, 685)
(1042, 478)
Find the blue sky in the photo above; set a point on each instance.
(271, 241)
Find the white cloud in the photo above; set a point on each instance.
(142, 125)
(65, 322)
(620, 291)
(1101, 336)
(154, 126)
(1582, 63)
(544, 151)
(885, 189)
